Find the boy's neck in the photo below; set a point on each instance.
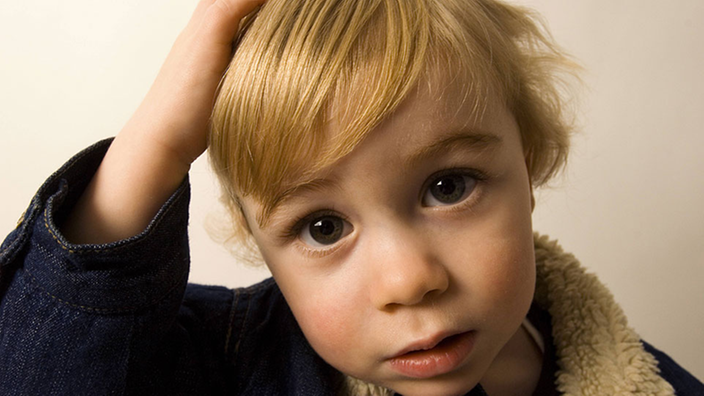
(516, 369)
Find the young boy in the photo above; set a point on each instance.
(382, 157)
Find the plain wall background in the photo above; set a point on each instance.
(630, 205)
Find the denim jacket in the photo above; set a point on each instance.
(121, 319)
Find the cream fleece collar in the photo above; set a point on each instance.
(598, 354)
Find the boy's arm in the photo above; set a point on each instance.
(90, 311)
(95, 319)
(70, 315)
(152, 154)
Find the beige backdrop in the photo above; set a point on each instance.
(630, 206)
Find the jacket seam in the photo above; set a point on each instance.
(152, 227)
(23, 233)
(230, 324)
(35, 202)
(119, 310)
(12, 244)
(243, 327)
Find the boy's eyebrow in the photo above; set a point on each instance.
(314, 185)
(468, 140)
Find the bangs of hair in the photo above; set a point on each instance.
(300, 64)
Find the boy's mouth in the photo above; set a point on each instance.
(433, 356)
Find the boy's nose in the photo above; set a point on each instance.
(408, 272)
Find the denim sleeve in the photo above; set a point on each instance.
(74, 319)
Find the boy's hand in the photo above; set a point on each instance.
(153, 152)
(179, 103)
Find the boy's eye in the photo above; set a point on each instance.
(325, 230)
(448, 189)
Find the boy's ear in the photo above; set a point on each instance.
(526, 155)
(532, 193)
(243, 217)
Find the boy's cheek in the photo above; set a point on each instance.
(333, 326)
(325, 307)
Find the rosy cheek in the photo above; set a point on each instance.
(513, 283)
(330, 324)
(502, 273)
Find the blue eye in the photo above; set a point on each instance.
(448, 189)
(325, 230)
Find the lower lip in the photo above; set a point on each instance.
(443, 358)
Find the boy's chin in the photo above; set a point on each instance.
(433, 387)
(419, 389)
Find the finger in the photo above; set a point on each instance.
(222, 17)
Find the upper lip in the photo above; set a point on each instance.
(426, 343)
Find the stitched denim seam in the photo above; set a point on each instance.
(107, 250)
(128, 358)
(252, 289)
(35, 205)
(119, 310)
(82, 307)
(230, 323)
(244, 326)
(13, 244)
(23, 234)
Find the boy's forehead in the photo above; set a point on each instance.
(437, 109)
(439, 96)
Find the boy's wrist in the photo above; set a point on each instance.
(133, 181)
(149, 155)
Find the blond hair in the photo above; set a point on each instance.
(300, 63)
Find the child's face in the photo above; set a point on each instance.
(423, 232)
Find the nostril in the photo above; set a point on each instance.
(432, 294)
(429, 297)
